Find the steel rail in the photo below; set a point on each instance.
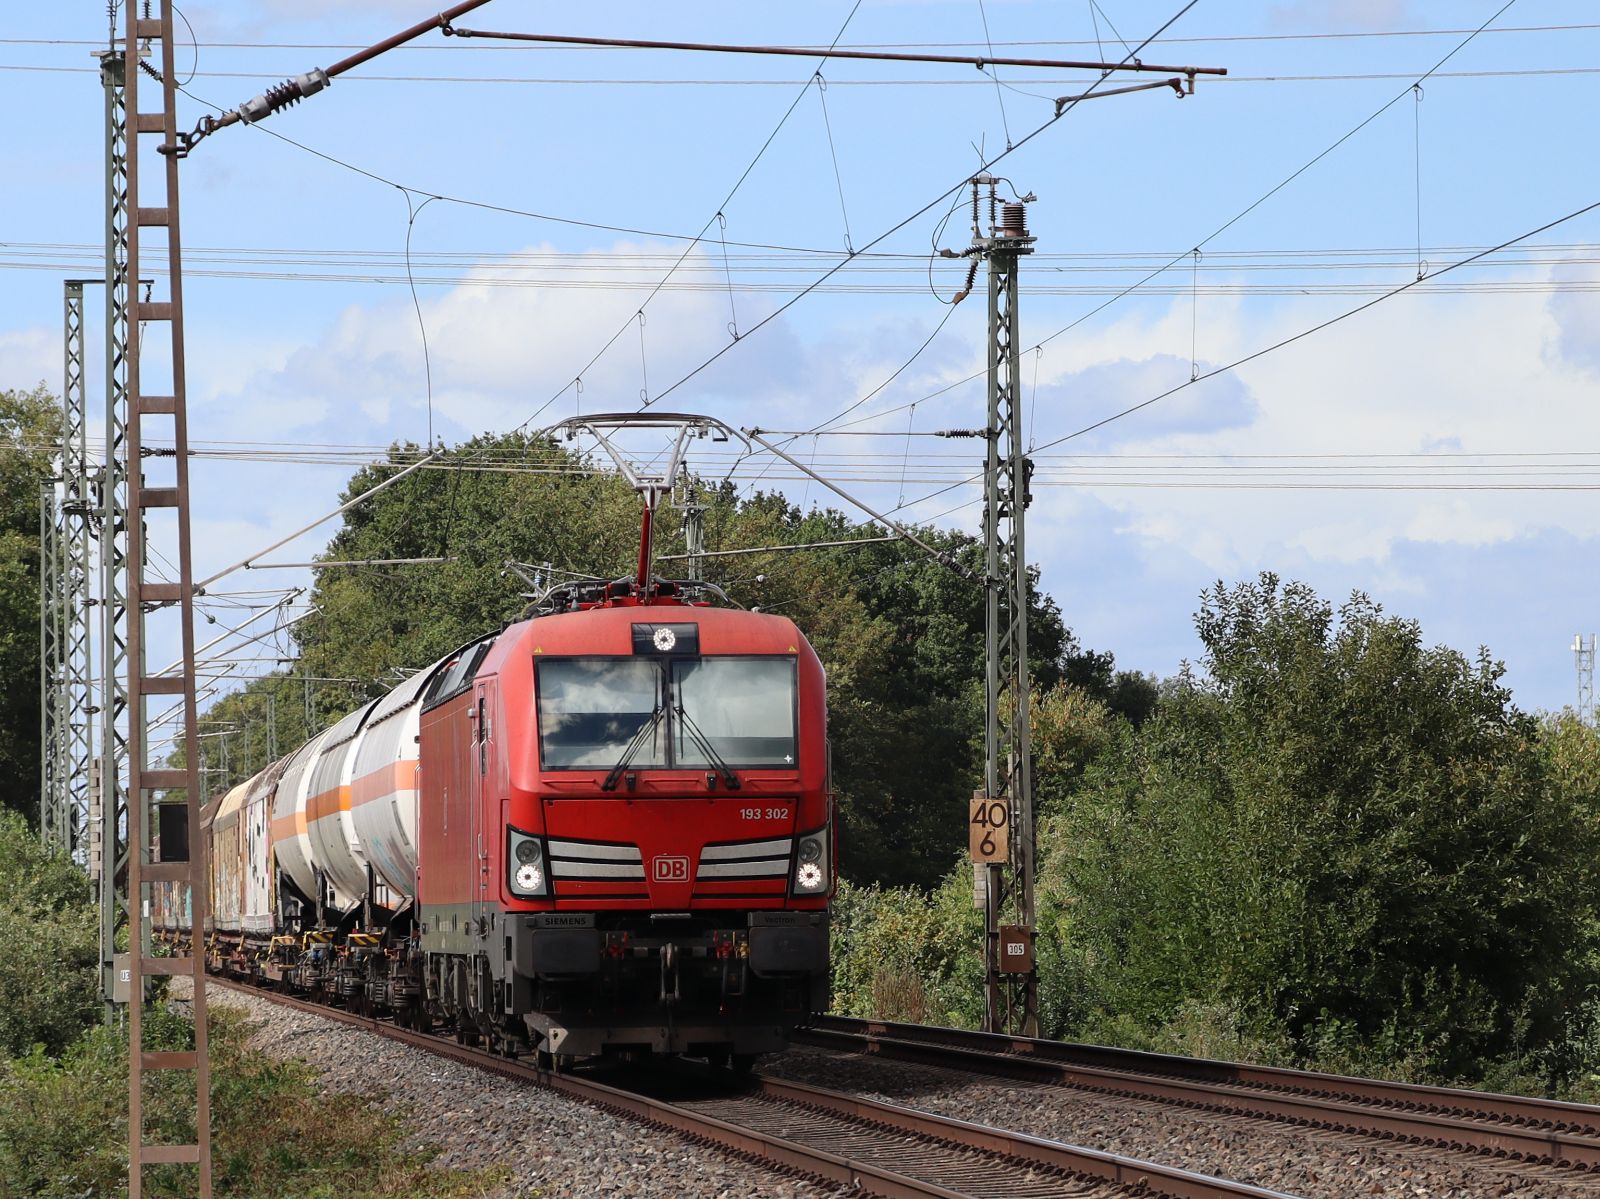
(1040, 1165)
(1533, 1130)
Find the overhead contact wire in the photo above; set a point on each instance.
(422, 325)
(937, 200)
(1249, 208)
(1290, 340)
(721, 209)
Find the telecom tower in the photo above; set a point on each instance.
(1583, 654)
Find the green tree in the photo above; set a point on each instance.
(29, 426)
(1334, 831)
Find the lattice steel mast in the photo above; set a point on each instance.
(109, 852)
(1583, 656)
(158, 513)
(66, 530)
(81, 531)
(1011, 985)
(52, 779)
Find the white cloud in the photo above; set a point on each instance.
(496, 353)
(1462, 374)
(1468, 372)
(1576, 312)
(29, 357)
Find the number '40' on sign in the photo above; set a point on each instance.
(989, 828)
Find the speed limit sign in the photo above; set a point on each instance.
(989, 828)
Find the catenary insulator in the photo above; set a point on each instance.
(1014, 220)
(290, 91)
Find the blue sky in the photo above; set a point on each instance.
(1332, 449)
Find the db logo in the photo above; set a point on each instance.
(671, 870)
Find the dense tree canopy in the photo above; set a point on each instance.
(29, 423)
(1335, 831)
(1330, 844)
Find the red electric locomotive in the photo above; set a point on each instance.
(625, 838)
(607, 828)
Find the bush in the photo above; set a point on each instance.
(49, 945)
(904, 954)
(1339, 836)
(63, 1125)
(1330, 845)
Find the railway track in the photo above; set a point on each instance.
(1539, 1131)
(875, 1148)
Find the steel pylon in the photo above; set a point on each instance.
(66, 532)
(1011, 986)
(160, 610)
(108, 850)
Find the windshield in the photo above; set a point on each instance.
(743, 706)
(591, 708)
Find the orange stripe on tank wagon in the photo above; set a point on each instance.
(329, 803)
(398, 776)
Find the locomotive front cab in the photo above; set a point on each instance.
(668, 845)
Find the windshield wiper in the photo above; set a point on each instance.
(646, 731)
(703, 744)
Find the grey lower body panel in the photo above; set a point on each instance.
(725, 983)
(556, 1035)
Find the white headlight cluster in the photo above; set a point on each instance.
(529, 877)
(525, 857)
(811, 865)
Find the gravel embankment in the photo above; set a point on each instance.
(1303, 1162)
(553, 1146)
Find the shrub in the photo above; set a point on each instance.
(49, 944)
(904, 954)
(63, 1125)
(1335, 832)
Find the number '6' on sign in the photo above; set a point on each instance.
(989, 828)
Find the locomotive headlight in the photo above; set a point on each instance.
(526, 860)
(529, 877)
(811, 874)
